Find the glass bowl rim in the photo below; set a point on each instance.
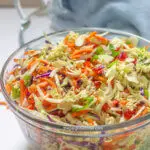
(21, 112)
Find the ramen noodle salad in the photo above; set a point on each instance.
(84, 80)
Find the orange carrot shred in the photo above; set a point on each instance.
(43, 84)
(50, 82)
(3, 103)
(29, 52)
(22, 92)
(31, 63)
(90, 121)
(8, 88)
(103, 79)
(75, 56)
(102, 39)
(145, 111)
(123, 102)
(82, 51)
(79, 113)
(44, 61)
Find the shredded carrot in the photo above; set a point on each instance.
(31, 63)
(79, 113)
(31, 107)
(48, 106)
(120, 137)
(98, 100)
(3, 103)
(87, 64)
(44, 91)
(42, 69)
(32, 88)
(12, 72)
(83, 70)
(91, 35)
(29, 52)
(16, 60)
(123, 102)
(43, 84)
(30, 100)
(50, 82)
(70, 44)
(90, 121)
(74, 82)
(75, 56)
(46, 103)
(13, 81)
(102, 39)
(112, 145)
(8, 88)
(145, 111)
(109, 146)
(103, 79)
(22, 91)
(66, 39)
(44, 61)
(82, 51)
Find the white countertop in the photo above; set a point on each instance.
(11, 137)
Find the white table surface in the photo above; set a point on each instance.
(11, 137)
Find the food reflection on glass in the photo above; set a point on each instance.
(85, 80)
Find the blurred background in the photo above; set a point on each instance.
(25, 3)
(9, 41)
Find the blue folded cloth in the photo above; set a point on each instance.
(129, 15)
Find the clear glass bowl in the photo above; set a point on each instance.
(44, 135)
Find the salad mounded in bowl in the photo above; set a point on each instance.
(86, 80)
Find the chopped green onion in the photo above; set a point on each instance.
(146, 93)
(15, 92)
(112, 63)
(27, 79)
(87, 105)
(99, 50)
(128, 41)
(95, 57)
(127, 70)
(114, 53)
(88, 99)
(111, 47)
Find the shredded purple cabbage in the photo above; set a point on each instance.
(23, 70)
(79, 82)
(86, 144)
(28, 94)
(16, 65)
(50, 119)
(57, 112)
(47, 42)
(101, 140)
(43, 75)
(100, 67)
(94, 115)
(67, 87)
(142, 91)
